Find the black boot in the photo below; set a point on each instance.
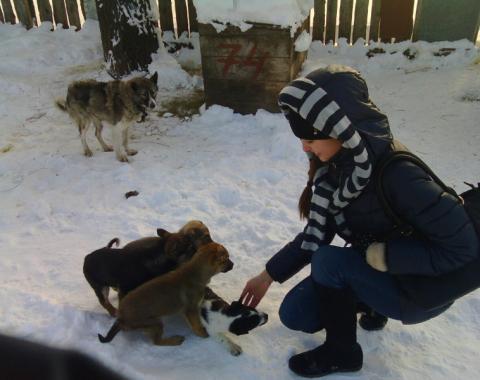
(370, 319)
(340, 352)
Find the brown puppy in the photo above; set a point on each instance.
(141, 260)
(179, 291)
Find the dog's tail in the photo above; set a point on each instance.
(115, 241)
(61, 105)
(111, 333)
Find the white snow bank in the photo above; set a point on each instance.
(286, 13)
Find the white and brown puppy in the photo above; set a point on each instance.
(218, 317)
(118, 103)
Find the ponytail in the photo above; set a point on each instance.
(306, 197)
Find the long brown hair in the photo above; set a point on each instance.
(306, 197)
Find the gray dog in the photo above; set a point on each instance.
(118, 103)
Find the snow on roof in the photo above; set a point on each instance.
(286, 13)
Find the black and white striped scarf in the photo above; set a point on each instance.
(320, 110)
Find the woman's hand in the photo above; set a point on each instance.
(255, 289)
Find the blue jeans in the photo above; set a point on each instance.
(338, 267)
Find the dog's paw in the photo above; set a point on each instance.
(122, 158)
(88, 153)
(108, 148)
(132, 152)
(201, 332)
(235, 349)
(175, 340)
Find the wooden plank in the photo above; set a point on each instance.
(182, 16)
(257, 30)
(45, 10)
(33, 12)
(166, 16)
(192, 17)
(82, 8)
(361, 18)
(272, 69)
(396, 20)
(345, 22)
(443, 20)
(8, 12)
(319, 21)
(73, 15)
(60, 13)
(373, 34)
(23, 13)
(231, 42)
(331, 21)
(241, 98)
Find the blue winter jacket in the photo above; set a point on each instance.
(444, 239)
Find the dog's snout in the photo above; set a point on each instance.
(228, 266)
(264, 319)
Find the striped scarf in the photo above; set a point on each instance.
(316, 106)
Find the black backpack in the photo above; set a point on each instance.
(446, 287)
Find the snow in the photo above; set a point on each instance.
(286, 13)
(241, 175)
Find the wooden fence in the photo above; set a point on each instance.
(371, 20)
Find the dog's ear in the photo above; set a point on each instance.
(163, 233)
(154, 78)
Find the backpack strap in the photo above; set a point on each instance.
(400, 225)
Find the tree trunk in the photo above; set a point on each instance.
(128, 35)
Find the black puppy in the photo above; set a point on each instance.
(218, 317)
(141, 260)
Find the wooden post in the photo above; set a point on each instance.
(73, 15)
(375, 21)
(396, 20)
(128, 35)
(166, 16)
(444, 20)
(45, 10)
(60, 13)
(361, 16)
(8, 12)
(23, 13)
(192, 17)
(319, 21)
(346, 12)
(331, 21)
(182, 17)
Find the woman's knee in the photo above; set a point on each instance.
(298, 310)
(329, 264)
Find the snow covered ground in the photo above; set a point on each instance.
(241, 175)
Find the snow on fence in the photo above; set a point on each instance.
(371, 20)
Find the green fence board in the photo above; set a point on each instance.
(375, 21)
(360, 23)
(345, 22)
(331, 21)
(445, 20)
